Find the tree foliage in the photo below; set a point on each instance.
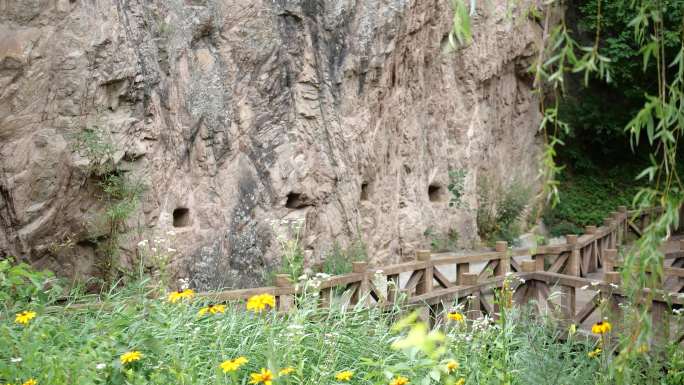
(637, 49)
(598, 113)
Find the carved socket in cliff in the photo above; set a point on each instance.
(297, 201)
(364, 191)
(436, 193)
(181, 217)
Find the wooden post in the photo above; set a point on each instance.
(593, 259)
(504, 265)
(609, 242)
(529, 266)
(285, 301)
(622, 235)
(461, 269)
(609, 259)
(361, 294)
(473, 310)
(469, 279)
(539, 260)
(359, 267)
(325, 296)
(612, 277)
(617, 232)
(425, 282)
(661, 323)
(679, 261)
(569, 293)
(392, 288)
(573, 264)
(645, 220)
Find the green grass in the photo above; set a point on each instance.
(180, 347)
(70, 345)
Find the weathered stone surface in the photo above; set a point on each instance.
(237, 109)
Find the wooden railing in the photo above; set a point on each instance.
(424, 282)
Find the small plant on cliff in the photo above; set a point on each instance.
(457, 187)
(154, 256)
(442, 242)
(288, 235)
(500, 210)
(96, 146)
(339, 259)
(118, 193)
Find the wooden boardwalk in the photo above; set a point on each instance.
(575, 282)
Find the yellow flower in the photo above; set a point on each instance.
(234, 364)
(130, 357)
(259, 302)
(265, 377)
(601, 327)
(181, 294)
(24, 317)
(455, 316)
(345, 375)
(643, 348)
(572, 329)
(399, 380)
(286, 371)
(594, 353)
(212, 309)
(30, 381)
(451, 366)
(461, 381)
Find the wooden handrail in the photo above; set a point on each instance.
(612, 225)
(567, 266)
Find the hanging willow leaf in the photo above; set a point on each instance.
(461, 33)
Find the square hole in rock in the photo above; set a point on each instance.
(436, 193)
(181, 217)
(364, 191)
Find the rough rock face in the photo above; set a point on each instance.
(237, 113)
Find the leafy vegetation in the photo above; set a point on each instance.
(138, 335)
(586, 199)
(500, 211)
(292, 262)
(119, 195)
(598, 114)
(456, 187)
(442, 242)
(339, 260)
(647, 105)
(20, 284)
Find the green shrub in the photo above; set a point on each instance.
(442, 242)
(119, 194)
(20, 284)
(586, 199)
(456, 187)
(500, 211)
(339, 260)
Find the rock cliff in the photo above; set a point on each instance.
(237, 114)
